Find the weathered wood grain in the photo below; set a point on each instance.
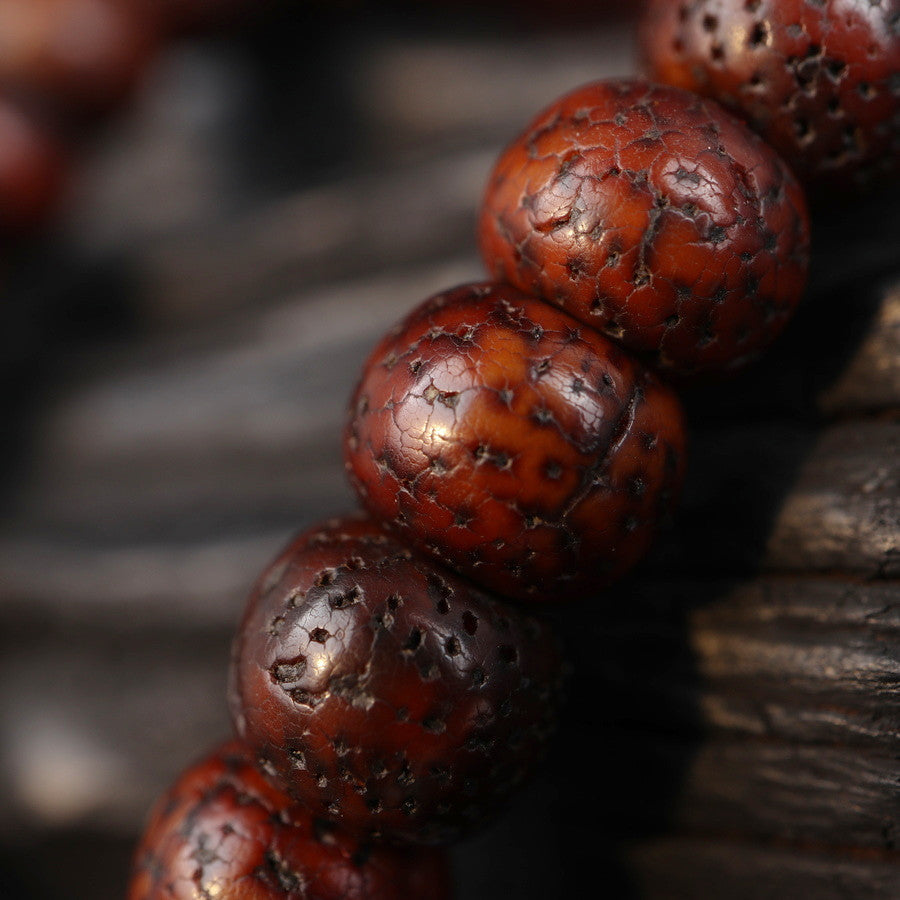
(366, 223)
(760, 790)
(870, 379)
(766, 709)
(788, 497)
(680, 868)
(844, 512)
(797, 659)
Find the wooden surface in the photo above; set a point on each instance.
(177, 357)
(685, 869)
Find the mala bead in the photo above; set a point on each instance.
(655, 216)
(223, 831)
(526, 451)
(386, 693)
(819, 80)
(85, 54)
(33, 169)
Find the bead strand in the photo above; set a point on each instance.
(495, 432)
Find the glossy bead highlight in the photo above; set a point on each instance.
(522, 448)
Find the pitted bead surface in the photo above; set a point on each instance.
(223, 831)
(385, 692)
(654, 216)
(519, 446)
(819, 79)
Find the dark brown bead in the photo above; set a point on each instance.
(655, 216)
(86, 55)
(819, 79)
(387, 693)
(223, 831)
(33, 169)
(525, 450)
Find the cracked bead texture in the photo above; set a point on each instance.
(222, 831)
(819, 79)
(655, 216)
(385, 692)
(507, 439)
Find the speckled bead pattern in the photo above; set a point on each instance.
(386, 692)
(222, 831)
(819, 79)
(525, 450)
(655, 216)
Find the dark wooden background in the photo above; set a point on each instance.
(176, 359)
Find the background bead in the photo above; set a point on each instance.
(655, 216)
(223, 831)
(33, 169)
(83, 54)
(387, 693)
(819, 80)
(504, 437)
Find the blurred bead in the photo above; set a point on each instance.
(87, 55)
(33, 168)
(224, 832)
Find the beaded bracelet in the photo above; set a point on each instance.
(482, 394)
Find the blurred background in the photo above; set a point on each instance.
(178, 348)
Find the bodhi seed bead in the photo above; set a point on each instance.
(818, 79)
(223, 831)
(385, 692)
(520, 447)
(655, 216)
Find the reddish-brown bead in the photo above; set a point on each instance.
(387, 693)
(819, 79)
(83, 54)
(525, 450)
(655, 216)
(223, 831)
(32, 169)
